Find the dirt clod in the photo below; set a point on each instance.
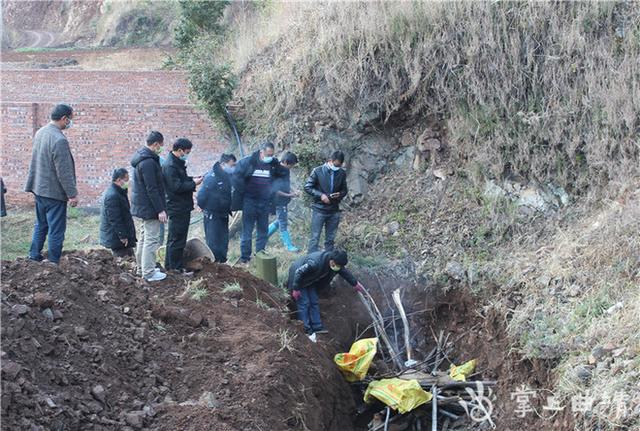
(19, 309)
(43, 300)
(10, 370)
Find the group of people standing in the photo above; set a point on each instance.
(163, 193)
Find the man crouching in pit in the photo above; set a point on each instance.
(309, 273)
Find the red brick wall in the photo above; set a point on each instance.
(88, 86)
(113, 112)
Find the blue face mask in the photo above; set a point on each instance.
(229, 169)
(334, 168)
(184, 157)
(267, 159)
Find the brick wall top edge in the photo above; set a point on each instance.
(105, 72)
(86, 104)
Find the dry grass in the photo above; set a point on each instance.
(547, 90)
(582, 292)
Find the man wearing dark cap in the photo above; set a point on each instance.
(313, 271)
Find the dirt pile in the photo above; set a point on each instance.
(88, 346)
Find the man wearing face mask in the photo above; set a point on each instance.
(327, 184)
(52, 180)
(117, 231)
(252, 192)
(214, 198)
(310, 273)
(180, 188)
(148, 204)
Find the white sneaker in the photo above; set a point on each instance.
(155, 271)
(157, 276)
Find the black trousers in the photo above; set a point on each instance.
(216, 231)
(123, 251)
(177, 240)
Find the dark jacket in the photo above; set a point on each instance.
(282, 184)
(3, 207)
(314, 269)
(52, 173)
(147, 185)
(179, 186)
(244, 170)
(214, 196)
(319, 183)
(116, 222)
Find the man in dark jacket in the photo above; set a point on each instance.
(214, 198)
(282, 195)
(148, 204)
(327, 184)
(52, 180)
(117, 231)
(3, 207)
(309, 273)
(180, 188)
(252, 193)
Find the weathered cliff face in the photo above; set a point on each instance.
(68, 22)
(84, 23)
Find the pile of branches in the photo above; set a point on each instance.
(451, 401)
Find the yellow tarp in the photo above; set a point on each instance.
(401, 395)
(461, 373)
(355, 364)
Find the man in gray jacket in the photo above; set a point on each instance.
(52, 180)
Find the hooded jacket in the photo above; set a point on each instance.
(147, 185)
(314, 270)
(244, 171)
(214, 196)
(178, 185)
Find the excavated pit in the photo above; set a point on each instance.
(87, 346)
(479, 332)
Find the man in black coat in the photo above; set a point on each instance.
(3, 207)
(309, 273)
(252, 193)
(148, 204)
(179, 187)
(117, 231)
(327, 184)
(214, 198)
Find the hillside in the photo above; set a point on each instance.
(494, 148)
(493, 164)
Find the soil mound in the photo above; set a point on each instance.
(88, 346)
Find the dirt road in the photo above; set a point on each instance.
(39, 39)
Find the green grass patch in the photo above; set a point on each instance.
(232, 287)
(83, 232)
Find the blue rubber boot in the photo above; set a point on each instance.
(286, 240)
(273, 227)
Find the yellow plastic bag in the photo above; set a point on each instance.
(461, 373)
(355, 364)
(401, 395)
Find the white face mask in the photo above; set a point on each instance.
(333, 168)
(70, 124)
